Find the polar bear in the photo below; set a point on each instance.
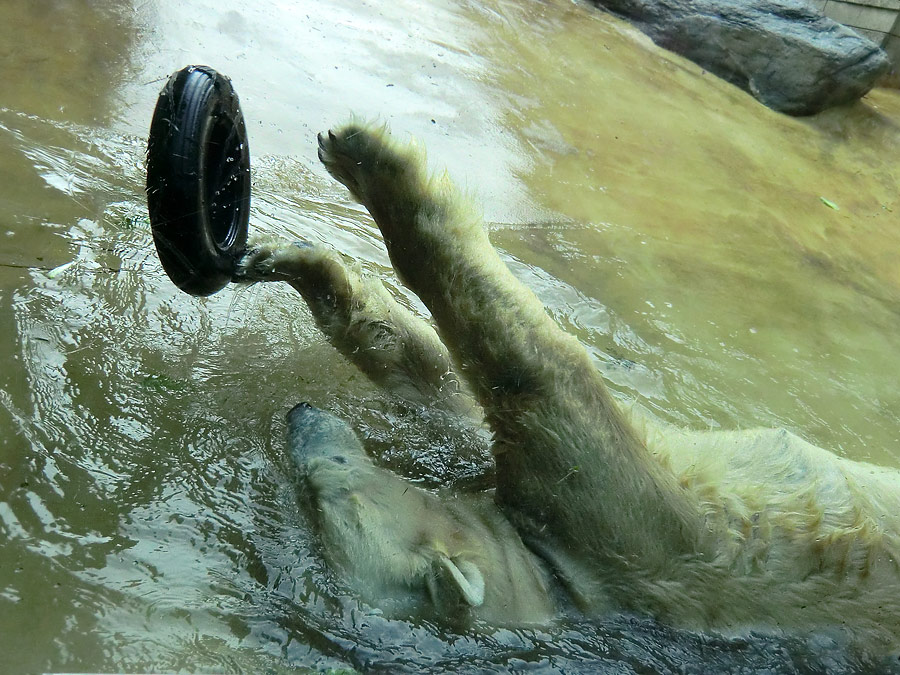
(729, 531)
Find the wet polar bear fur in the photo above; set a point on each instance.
(728, 531)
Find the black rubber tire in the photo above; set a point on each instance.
(198, 179)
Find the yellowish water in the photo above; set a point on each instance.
(727, 266)
(761, 249)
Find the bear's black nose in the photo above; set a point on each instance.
(299, 410)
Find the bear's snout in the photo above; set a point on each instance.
(299, 409)
(316, 433)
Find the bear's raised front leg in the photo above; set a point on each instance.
(569, 466)
(394, 348)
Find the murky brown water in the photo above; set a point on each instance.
(682, 231)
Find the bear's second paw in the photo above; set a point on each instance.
(343, 152)
(268, 261)
(365, 160)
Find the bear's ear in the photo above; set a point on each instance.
(466, 577)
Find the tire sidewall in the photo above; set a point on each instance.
(198, 242)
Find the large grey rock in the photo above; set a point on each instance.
(789, 56)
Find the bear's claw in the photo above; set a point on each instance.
(272, 261)
(350, 154)
(256, 264)
(335, 156)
